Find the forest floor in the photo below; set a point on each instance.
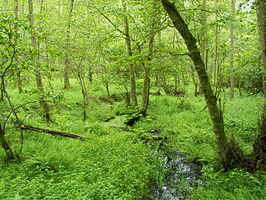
(113, 162)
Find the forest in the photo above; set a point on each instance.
(133, 100)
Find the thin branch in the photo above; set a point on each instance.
(10, 64)
(105, 16)
(16, 108)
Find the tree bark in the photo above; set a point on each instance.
(85, 95)
(215, 114)
(259, 146)
(195, 82)
(38, 78)
(9, 153)
(216, 69)
(146, 84)
(132, 73)
(67, 62)
(203, 42)
(19, 81)
(261, 17)
(232, 49)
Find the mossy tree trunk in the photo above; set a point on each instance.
(215, 114)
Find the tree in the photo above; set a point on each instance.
(132, 72)
(224, 149)
(67, 62)
(232, 44)
(38, 78)
(259, 147)
(19, 81)
(8, 45)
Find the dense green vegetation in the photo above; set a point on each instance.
(113, 163)
(133, 81)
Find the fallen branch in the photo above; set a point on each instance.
(53, 132)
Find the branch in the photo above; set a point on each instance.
(113, 23)
(16, 108)
(10, 64)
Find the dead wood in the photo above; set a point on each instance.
(52, 132)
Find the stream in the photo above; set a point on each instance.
(179, 177)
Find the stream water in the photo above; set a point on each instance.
(180, 176)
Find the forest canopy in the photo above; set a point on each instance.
(98, 97)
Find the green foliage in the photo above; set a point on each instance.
(232, 185)
(132, 114)
(113, 163)
(109, 167)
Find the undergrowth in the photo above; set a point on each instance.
(112, 163)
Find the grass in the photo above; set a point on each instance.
(112, 163)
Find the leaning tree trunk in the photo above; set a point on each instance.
(130, 54)
(43, 103)
(215, 114)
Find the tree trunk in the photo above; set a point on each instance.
(146, 84)
(166, 88)
(215, 114)
(85, 95)
(261, 16)
(203, 42)
(38, 78)
(232, 47)
(9, 153)
(67, 62)
(195, 81)
(130, 54)
(19, 81)
(106, 84)
(215, 65)
(146, 90)
(259, 146)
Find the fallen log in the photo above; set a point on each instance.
(52, 132)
